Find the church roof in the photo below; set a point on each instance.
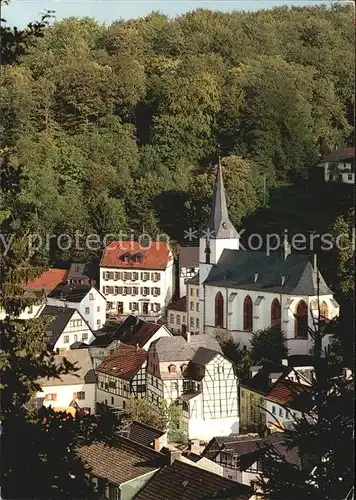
(219, 225)
(252, 270)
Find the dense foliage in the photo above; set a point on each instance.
(117, 127)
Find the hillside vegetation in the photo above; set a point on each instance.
(115, 128)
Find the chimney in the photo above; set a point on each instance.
(285, 362)
(273, 377)
(254, 370)
(188, 336)
(156, 445)
(137, 347)
(172, 454)
(315, 262)
(287, 249)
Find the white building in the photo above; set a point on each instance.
(188, 266)
(72, 390)
(339, 166)
(67, 327)
(137, 279)
(242, 291)
(122, 375)
(86, 298)
(282, 403)
(195, 374)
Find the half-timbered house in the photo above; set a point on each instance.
(122, 375)
(188, 266)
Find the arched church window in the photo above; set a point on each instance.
(275, 312)
(248, 314)
(219, 310)
(301, 320)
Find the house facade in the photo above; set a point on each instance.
(194, 305)
(243, 291)
(72, 390)
(122, 375)
(177, 316)
(282, 406)
(339, 166)
(195, 375)
(137, 279)
(67, 327)
(86, 298)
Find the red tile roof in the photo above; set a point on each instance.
(124, 362)
(155, 257)
(285, 393)
(340, 154)
(179, 305)
(48, 280)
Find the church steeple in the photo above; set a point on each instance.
(219, 225)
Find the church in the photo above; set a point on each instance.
(238, 292)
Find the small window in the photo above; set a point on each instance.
(172, 369)
(79, 395)
(192, 306)
(280, 412)
(171, 318)
(197, 306)
(273, 410)
(112, 400)
(192, 322)
(197, 323)
(98, 309)
(242, 394)
(91, 296)
(178, 319)
(192, 292)
(66, 339)
(85, 336)
(75, 338)
(98, 323)
(87, 310)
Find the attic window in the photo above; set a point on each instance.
(77, 269)
(172, 369)
(138, 257)
(126, 256)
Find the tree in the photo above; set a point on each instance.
(163, 417)
(269, 343)
(325, 435)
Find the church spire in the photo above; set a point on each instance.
(219, 225)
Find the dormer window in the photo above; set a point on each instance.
(172, 369)
(183, 368)
(224, 225)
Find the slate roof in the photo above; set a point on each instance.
(124, 362)
(339, 154)
(189, 256)
(48, 280)
(86, 271)
(62, 316)
(155, 257)
(142, 433)
(178, 305)
(70, 293)
(136, 331)
(285, 392)
(178, 349)
(203, 356)
(260, 382)
(182, 481)
(85, 374)
(219, 224)
(194, 280)
(237, 269)
(250, 448)
(121, 461)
